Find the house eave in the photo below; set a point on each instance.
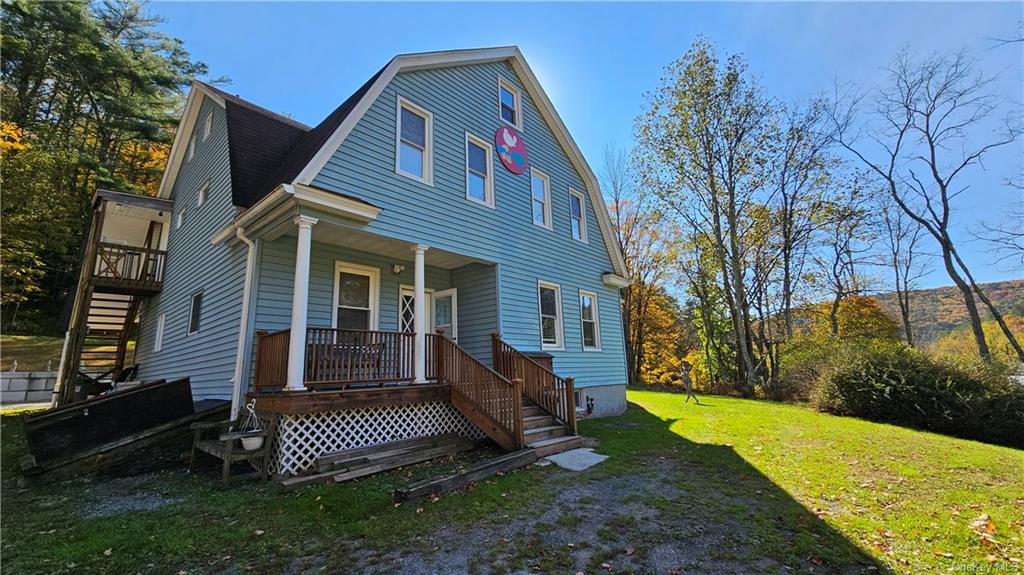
(615, 280)
(287, 198)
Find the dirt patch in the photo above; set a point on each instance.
(113, 497)
(639, 523)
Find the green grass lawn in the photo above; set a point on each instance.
(734, 486)
(32, 352)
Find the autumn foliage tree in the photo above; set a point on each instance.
(89, 99)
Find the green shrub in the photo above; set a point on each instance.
(896, 384)
(803, 362)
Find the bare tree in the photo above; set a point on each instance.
(640, 235)
(802, 165)
(1007, 240)
(931, 115)
(845, 245)
(903, 238)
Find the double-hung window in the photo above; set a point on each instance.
(191, 148)
(355, 296)
(589, 322)
(479, 180)
(550, 307)
(509, 104)
(415, 132)
(540, 198)
(208, 126)
(158, 339)
(577, 215)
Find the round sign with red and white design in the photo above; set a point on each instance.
(511, 149)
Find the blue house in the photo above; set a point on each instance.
(434, 256)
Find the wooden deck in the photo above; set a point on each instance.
(313, 401)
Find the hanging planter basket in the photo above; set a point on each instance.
(252, 423)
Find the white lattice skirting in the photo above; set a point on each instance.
(301, 439)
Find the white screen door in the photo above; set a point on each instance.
(445, 311)
(441, 309)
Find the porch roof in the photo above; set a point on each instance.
(339, 222)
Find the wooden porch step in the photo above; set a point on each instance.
(555, 445)
(546, 432)
(502, 463)
(538, 421)
(531, 411)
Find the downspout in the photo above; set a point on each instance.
(237, 395)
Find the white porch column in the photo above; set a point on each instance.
(420, 313)
(300, 305)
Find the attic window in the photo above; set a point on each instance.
(191, 147)
(413, 147)
(509, 106)
(208, 126)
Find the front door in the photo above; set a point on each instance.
(441, 309)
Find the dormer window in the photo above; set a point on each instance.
(413, 148)
(509, 105)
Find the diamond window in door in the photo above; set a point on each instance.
(407, 313)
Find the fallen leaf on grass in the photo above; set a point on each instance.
(109, 552)
(259, 532)
(938, 553)
(630, 551)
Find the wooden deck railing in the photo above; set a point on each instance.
(129, 264)
(337, 358)
(343, 356)
(552, 393)
(271, 360)
(490, 401)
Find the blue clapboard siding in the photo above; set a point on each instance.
(462, 99)
(193, 264)
(277, 278)
(477, 314)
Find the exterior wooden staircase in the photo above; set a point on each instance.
(549, 406)
(113, 279)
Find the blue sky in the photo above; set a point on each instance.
(597, 60)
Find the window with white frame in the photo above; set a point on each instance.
(550, 307)
(158, 340)
(479, 179)
(355, 296)
(208, 126)
(203, 192)
(195, 312)
(181, 219)
(577, 215)
(589, 322)
(540, 198)
(415, 133)
(191, 147)
(509, 104)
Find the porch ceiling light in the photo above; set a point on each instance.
(397, 268)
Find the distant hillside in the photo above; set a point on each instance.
(936, 311)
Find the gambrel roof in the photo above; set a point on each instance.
(302, 152)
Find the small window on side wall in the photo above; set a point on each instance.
(509, 104)
(208, 126)
(414, 147)
(577, 215)
(181, 219)
(191, 147)
(158, 340)
(195, 312)
(479, 180)
(203, 192)
(589, 323)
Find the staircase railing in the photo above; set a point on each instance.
(492, 402)
(554, 394)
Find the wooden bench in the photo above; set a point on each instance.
(214, 438)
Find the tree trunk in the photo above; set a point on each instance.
(972, 306)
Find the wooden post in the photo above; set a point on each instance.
(517, 412)
(570, 403)
(439, 367)
(496, 354)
